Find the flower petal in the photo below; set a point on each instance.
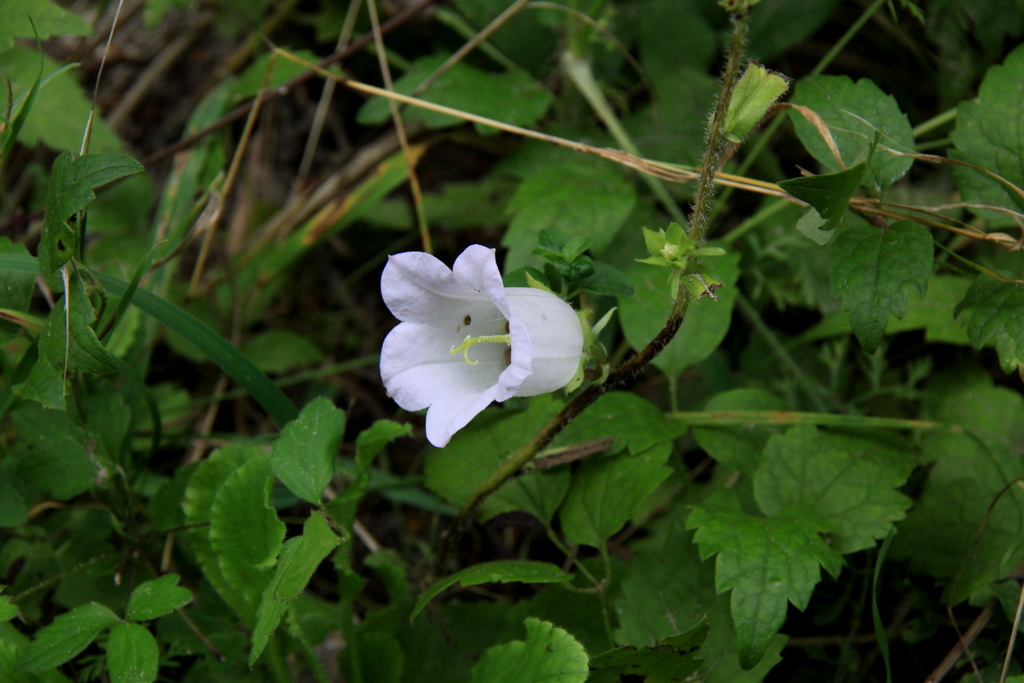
(556, 337)
(418, 287)
(476, 267)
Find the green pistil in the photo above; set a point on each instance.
(471, 340)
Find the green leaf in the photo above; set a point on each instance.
(108, 418)
(245, 532)
(767, 563)
(738, 448)
(86, 352)
(475, 452)
(607, 490)
(374, 657)
(44, 385)
(828, 194)
(58, 462)
(198, 501)
(846, 481)
(675, 658)
(61, 106)
(299, 559)
(69, 634)
(591, 200)
(548, 654)
(72, 184)
(368, 444)
(512, 96)
(777, 25)
(282, 351)
(133, 655)
(607, 280)
(157, 597)
(965, 527)
(664, 25)
(856, 113)
(684, 598)
(216, 348)
(15, 289)
(993, 312)
(499, 571)
(303, 456)
(7, 610)
(13, 510)
(756, 92)
(874, 271)
(47, 19)
(644, 314)
(987, 134)
(634, 422)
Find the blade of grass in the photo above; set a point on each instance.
(880, 634)
(216, 348)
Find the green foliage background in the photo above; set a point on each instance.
(202, 478)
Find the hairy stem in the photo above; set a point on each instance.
(716, 141)
(623, 375)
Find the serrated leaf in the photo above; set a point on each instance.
(988, 135)
(299, 559)
(607, 490)
(874, 271)
(548, 654)
(965, 527)
(72, 184)
(245, 532)
(993, 312)
(155, 598)
(675, 658)
(738, 448)
(684, 596)
(86, 352)
(828, 194)
(512, 96)
(706, 323)
(48, 19)
(133, 655)
(856, 113)
(589, 200)
(303, 456)
(847, 481)
(499, 571)
(766, 563)
(69, 634)
(475, 452)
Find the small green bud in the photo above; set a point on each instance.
(754, 95)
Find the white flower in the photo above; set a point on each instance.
(466, 340)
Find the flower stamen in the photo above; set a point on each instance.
(471, 340)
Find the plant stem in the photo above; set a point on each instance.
(713, 151)
(631, 368)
